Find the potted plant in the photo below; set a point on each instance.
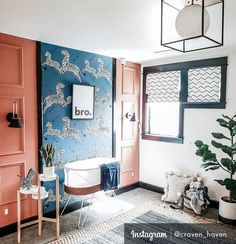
(47, 152)
(227, 204)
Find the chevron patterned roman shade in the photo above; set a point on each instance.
(163, 87)
(204, 84)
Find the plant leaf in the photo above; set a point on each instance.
(234, 131)
(217, 144)
(221, 182)
(206, 165)
(233, 170)
(220, 136)
(227, 163)
(202, 149)
(209, 156)
(200, 153)
(213, 168)
(198, 143)
(227, 150)
(223, 123)
(230, 184)
(226, 117)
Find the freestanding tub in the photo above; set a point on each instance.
(83, 177)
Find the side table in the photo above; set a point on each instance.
(33, 190)
(41, 218)
(37, 195)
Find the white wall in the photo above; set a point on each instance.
(158, 157)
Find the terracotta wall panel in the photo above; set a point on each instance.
(18, 147)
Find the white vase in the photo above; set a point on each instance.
(227, 211)
(48, 171)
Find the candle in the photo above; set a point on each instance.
(13, 110)
(16, 109)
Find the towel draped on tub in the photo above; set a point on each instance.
(110, 176)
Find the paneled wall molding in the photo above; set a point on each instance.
(11, 172)
(6, 52)
(18, 146)
(127, 132)
(14, 142)
(128, 88)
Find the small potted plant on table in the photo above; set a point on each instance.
(47, 152)
(227, 204)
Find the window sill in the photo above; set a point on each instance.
(204, 105)
(170, 139)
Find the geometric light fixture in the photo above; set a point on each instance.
(15, 122)
(192, 25)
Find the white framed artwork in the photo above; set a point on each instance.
(83, 102)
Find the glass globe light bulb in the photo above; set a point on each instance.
(189, 21)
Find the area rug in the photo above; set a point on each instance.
(112, 230)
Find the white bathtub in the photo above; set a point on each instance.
(83, 176)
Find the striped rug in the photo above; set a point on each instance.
(112, 230)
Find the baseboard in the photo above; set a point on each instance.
(151, 187)
(6, 230)
(9, 229)
(127, 188)
(12, 228)
(158, 189)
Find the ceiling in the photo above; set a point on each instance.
(117, 28)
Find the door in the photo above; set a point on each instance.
(18, 146)
(127, 132)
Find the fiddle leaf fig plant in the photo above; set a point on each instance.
(228, 147)
(47, 152)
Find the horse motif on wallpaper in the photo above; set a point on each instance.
(57, 98)
(65, 66)
(60, 159)
(52, 197)
(52, 63)
(101, 72)
(53, 132)
(102, 101)
(67, 130)
(69, 67)
(95, 153)
(101, 129)
(89, 69)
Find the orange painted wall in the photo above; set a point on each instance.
(18, 147)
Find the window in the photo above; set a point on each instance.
(169, 89)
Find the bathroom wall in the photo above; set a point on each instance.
(18, 146)
(156, 158)
(86, 138)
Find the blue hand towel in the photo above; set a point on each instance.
(110, 176)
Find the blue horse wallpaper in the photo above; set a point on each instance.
(74, 139)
